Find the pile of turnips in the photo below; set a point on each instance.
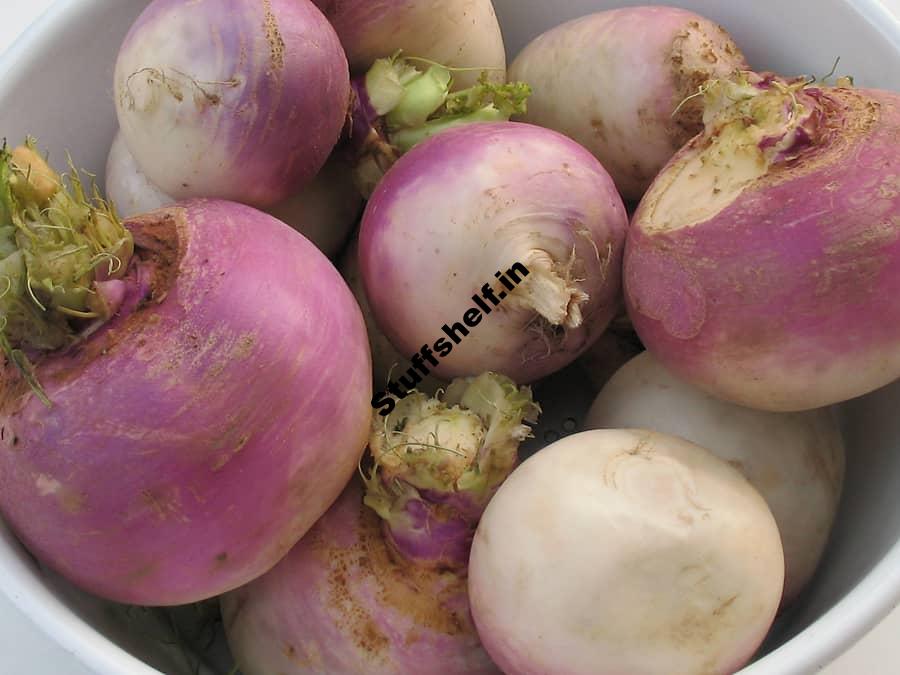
(303, 195)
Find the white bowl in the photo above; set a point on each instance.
(55, 83)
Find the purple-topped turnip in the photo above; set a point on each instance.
(229, 99)
(461, 34)
(173, 417)
(618, 82)
(387, 596)
(456, 214)
(763, 265)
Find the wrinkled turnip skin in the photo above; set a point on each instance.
(473, 201)
(624, 551)
(339, 604)
(192, 443)
(612, 80)
(455, 33)
(795, 460)
(261, 95)
(786, 299)
(127, 186)
(324, 211)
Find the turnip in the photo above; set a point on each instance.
(764, 262)
(127, 187)
(174, 434)
(387, 596)
(624, 551)
(402, 101)
(461, 34)
(228, 99)
(617, 82)
(385, 358)
(794, 460)
(324, 211)
(479, 203)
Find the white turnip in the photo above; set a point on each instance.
(794, 460)
(624, 551)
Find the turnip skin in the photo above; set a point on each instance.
(378, 585)
(324, 211)
(582, 565)
(612, 80)
(127, 187)
(455, 33)
(473, 201)
(783, 299)
(340, 604)
(247, 103)
(385, 357)
(191, 443)
(795, 460)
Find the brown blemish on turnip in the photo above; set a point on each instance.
(427, 597)
(142, 572)
(223, 458)
(71, 501)
(273, 37)
(599, 129)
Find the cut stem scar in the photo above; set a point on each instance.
(550, 290)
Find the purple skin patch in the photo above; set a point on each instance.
(430, 536)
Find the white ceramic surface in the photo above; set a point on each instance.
(55, 83)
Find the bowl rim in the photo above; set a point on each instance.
(19, 575)
(831, 634)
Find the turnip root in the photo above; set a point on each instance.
(461, 34)
(324, 211)
(612, 81)
(794, 460)
(463, 209)
(385, 358)
(188, 437)
(624, 551)
(764, 262)
(234, 100)
(387, 596)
